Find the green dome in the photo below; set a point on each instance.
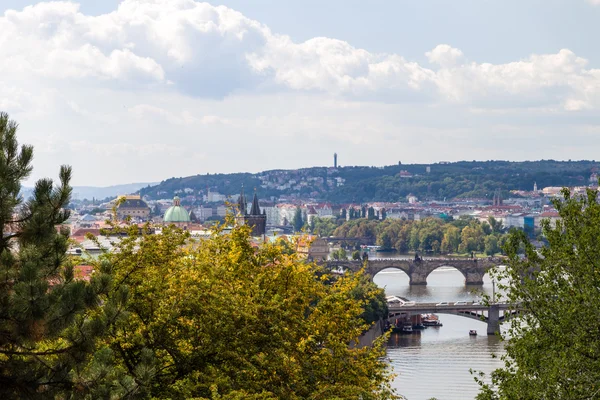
(176, 213)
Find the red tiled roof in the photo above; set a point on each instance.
(83, 272)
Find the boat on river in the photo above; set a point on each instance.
(430, 320)
(472, 332)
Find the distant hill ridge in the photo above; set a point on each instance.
(357, 184)
(100, 193)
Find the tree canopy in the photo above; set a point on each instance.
(432, 235)
(165, 316)
(223, 319)
(49, 321)
(553, 347)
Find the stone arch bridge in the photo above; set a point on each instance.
(418, 270)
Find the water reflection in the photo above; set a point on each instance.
(443, 284)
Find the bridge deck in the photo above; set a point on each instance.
(433, 307)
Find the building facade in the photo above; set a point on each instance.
(134, 207)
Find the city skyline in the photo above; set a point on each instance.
(130, 91)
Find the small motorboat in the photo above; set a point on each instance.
(472, 332)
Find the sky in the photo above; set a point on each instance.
(144, 90)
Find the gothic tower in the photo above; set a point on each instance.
(254, 219)
(497, 197)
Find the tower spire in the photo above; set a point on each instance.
(242, 203)
(255, 208)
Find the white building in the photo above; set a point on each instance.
(203, 213)
(515, 220)
(222, 211)
(214, 197)
(273, 217)
(286, 213)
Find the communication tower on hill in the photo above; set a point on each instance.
(334, 160)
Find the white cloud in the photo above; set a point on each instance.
(444, 55)
(207, 51)
(161, 83)
(537, 81)
(594, 2)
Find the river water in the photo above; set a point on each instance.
(435, 362)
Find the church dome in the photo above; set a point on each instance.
(176, 213)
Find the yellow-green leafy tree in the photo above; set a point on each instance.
(225, 319)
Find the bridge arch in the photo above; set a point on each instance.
(418, 270)
(375, 268)
(444, 268)
(391, 268)
(471, 269)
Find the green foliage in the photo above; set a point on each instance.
(371, 213)
(366, 184)
(222, 319)
(428, 235)
(340, 254)
(323, 227)
(496, 225)
(48, 320)
(297, 221)
(375, 304)
(491, 245)
(553, 347)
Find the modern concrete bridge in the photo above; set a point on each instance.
(493, 314)
(473, 269)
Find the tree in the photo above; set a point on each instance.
(553, 347)
(297, 221)
(472, 238)
(495, 224)
(340, 254)
(371, 213)
(384, 241)
(487, 229)
(48, 319)
(323, 227)
(223, 319)
(451, 239)
(491, 245)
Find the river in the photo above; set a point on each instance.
(435, 362)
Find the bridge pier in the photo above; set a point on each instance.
(493, 323)
(416, 279)
(474, 275)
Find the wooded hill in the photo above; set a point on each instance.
(391, 183)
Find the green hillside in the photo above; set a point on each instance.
(390, 183)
